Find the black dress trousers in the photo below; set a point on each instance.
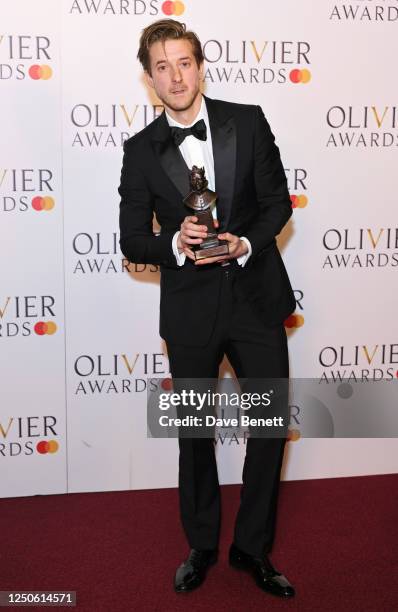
(254, 351)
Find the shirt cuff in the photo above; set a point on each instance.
(180, 257)
(243, 258)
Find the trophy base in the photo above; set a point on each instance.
(212, 251)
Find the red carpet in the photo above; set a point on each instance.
(336, 541)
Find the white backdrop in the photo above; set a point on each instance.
(79, 328)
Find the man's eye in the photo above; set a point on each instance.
(185, 63)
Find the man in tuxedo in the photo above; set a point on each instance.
(232, 305)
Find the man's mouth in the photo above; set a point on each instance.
(178, 91)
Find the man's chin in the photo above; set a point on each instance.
(180, 105)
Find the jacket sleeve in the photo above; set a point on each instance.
(138, 242)
(271, 188)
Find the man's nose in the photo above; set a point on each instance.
(176, 75)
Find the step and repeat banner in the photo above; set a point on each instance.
(79, 324)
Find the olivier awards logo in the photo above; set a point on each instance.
(127, 7)
(362, 127)
(25, 57)
(19, 188)
(173, 8)
(27, 315)
(103, 126)
(362, 247)
(117, 373)
(276, 62)
(296, 319)
(297, 181)
(373, 10)
(96, 253)
(23, 436)
(360, 362)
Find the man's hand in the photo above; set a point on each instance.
(192, 233)
(236, 246)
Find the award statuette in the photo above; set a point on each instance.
(199, 200)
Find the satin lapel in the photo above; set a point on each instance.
(223, 134)
(170, 157)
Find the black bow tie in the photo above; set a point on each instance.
(198, 130)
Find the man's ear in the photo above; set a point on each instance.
(149, 79)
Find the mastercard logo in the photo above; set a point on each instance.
(43, 328)
(173, 8)
(299, 201)
(295, 320)
(46, 203)
(37, 72)
(167, 384)
(293, 435)
(300, 76)
(44, 447)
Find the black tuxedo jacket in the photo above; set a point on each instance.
(253, 201)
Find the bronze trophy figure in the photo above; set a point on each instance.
(200, 200)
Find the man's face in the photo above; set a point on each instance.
(175, 75)
(197, 183)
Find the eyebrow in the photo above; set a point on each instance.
(180, 59)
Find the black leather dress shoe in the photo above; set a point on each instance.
(265, 575)
(192, 572)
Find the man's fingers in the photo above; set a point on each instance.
(228, 236)
(194, 227)
(192, 230)
(189, 253)
(194, 233)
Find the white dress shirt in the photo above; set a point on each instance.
(200, 153)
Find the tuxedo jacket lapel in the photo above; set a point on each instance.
(170, 157)
(223, 134)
